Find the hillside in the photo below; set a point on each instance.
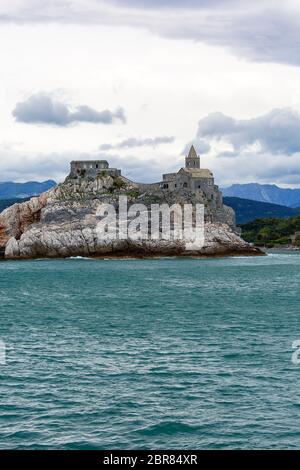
(247, 210)
(270, 232)
(264, 193)
(10, 190)
(4, 203)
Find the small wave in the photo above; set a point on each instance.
(172, 427)
(284, 254)
(121, 259)
(233, 355)
(241, 257)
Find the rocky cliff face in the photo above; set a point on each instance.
(63, 222)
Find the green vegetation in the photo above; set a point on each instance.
(134, 193)
(118, 183)
(151, 199)
(271, 232)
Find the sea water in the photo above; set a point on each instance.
(150, 354)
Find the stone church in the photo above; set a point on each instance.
(192, 177)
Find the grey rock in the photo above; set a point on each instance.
(63, 223)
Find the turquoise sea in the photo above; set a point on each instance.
(159, 353)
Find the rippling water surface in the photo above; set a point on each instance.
(169, 353)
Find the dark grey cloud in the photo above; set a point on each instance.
(263, 31)
(260, 168)
(277, 132)
(170, 4)
(42, 108)
(134, 142)
(265, 35)
(86, 114)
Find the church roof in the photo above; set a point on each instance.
(197, 172)
(192, 153)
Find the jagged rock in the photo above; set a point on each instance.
(15, 220)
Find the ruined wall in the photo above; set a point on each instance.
(92, 169)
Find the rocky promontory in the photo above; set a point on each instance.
(63, 222)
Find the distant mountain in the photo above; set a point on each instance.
(9, 190)
(247, 210)
(264, 193)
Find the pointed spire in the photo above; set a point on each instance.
(192, 152)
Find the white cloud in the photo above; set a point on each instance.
(42, 108)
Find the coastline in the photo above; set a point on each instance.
(284, 248)
(143, 256)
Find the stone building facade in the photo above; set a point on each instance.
(92, 169)
(194, 179)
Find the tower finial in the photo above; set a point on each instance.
(192, 160)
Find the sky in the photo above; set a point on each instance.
(135, 82)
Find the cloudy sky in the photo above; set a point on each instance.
(136, 81)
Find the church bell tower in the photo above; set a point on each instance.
(192, 160)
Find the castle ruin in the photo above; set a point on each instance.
(92, 169)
